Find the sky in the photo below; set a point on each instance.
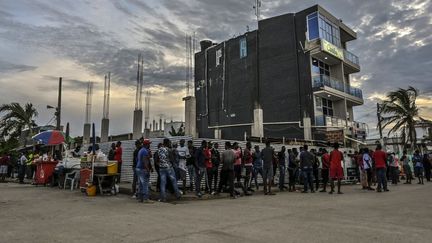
(82, 40)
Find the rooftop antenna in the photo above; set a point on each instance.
(257, 7)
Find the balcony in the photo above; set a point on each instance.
(337, 88)
(352, 128)
(351, 62)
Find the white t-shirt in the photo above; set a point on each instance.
(183, 153)
(367, 161)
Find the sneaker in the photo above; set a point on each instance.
(199, 195)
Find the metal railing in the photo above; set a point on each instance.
(322, 80)
(351, 57)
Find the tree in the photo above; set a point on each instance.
(175, 133)
(402, 113)
(17, 118)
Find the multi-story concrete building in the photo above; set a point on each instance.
(289, 78)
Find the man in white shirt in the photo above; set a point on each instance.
(183, 154)
(367, 165)
(22, 167)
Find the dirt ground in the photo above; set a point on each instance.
(42, 214)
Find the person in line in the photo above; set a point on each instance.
(282, 157)
(306, 166)
(209, 166)
(111, 153)
(367, 166)
(156, 162)
(142, 170)
(22, 168)
(325, 158)
(362, 173)
(183, 155)
(406, 167)
(257, 166)
(418, 166)
(215, 159)
(248, 165)
(380, 158)
(227, 171)
(166, 170)
(315, 168)
(268, 155)
(336, 170)
(394, 168)
(190, 163)
(238, 164)
(427, 166)
(200, 167)
(138, 146)
(292, 168)
(119, 157)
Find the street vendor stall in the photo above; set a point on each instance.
(97, 173)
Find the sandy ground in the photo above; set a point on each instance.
(41, 214)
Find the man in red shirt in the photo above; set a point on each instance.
(336, 171)
(325, 169)
(209, 167)
(380, 157)
(118, 156)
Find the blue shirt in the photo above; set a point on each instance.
(140, 158)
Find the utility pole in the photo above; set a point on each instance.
(379, 121)
(58, 109)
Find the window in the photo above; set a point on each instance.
(312, 25)
(326, 30)
(319, 118)
(243, 47)
(327, 106)
(320, 68)
(218, 57)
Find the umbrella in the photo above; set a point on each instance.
(50, 137)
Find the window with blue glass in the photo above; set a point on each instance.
(313, 29)
(243, 48)
(320, 27)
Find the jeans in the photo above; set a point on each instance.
(281, 176)
(143, 178)
(200, 173)
(308, 179)
(191, 172)
(369, 177)
(212, 174)
(381, 178)
(394, 174)
(134, 181)
(164, 173)
(255, 172)
(267, 178)
(21, 173)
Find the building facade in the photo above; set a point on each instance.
(289, 78)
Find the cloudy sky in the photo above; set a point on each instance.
(82, 40)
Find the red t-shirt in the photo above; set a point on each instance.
(207, 155)
(118, 154)
(380, 158)
(326, 161)
(335, 159)
(248, 157)
(238, 155)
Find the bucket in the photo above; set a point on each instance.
(91, 191)
(112, 168)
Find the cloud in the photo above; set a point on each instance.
(11, 67)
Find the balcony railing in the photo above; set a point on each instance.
(319, 81)
(351, 57)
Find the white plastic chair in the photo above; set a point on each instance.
(73, 177)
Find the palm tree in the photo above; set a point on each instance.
(402, 112)
(17, 118)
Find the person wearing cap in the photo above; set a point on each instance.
(142, 170)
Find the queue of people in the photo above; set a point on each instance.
(236, 170)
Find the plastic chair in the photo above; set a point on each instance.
(73, 177)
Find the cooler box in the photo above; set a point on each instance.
(44, 172)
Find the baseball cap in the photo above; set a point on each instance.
(146, 141)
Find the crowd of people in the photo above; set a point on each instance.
(236, 170)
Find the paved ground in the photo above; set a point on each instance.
(40, 214)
